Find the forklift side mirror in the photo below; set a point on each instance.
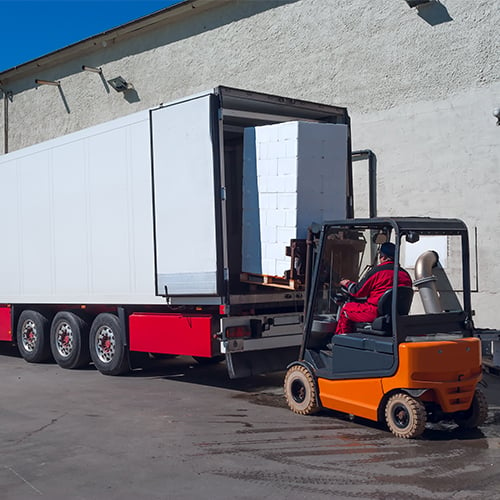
(412, 237)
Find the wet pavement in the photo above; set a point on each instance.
(182, 431)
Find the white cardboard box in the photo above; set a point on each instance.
(294, 174)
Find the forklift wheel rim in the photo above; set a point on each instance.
(401, 416)
(298, 391)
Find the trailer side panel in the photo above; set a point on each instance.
(79, 221)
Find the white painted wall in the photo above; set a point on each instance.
(420, 87)
(442, 158)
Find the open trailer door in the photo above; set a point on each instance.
(185, 176)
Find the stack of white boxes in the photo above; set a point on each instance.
(294, 174)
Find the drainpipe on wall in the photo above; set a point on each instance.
(368, 154)
(6, 96)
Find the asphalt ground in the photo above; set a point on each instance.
(178, 430)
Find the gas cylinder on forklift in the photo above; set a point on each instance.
(418, 361)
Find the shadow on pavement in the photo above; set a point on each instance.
(183, 369)
(186, 369)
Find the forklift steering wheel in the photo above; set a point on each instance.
(342, 295)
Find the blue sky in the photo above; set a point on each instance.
(32, 28)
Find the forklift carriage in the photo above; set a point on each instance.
(418, 361)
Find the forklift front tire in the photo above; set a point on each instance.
(405, 415)
(300, 391)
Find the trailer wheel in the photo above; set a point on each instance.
(300, 390)
(107, 349)
(69, 340)
(33, 337)
(476, 415)
(405, 416)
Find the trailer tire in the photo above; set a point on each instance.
(405, 415)
(69, 340)
(32, 337)
(476, 415)
(107, 347)
(300, 391)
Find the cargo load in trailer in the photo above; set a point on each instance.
(176, 230)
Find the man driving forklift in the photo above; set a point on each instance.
(410, 369)
(370, 289)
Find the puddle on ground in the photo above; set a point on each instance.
(272, 399)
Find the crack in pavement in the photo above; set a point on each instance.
(35, 431)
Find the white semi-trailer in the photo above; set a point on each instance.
(169, 230)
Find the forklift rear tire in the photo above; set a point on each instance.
(477, 413)
(300, 391)
(405, 415)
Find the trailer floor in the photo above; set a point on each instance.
(182, 431)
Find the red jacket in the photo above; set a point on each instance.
(377, 281)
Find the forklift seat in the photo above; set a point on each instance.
(382, 325)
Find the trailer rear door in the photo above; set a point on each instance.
(184, 141)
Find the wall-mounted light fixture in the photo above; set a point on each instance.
(47, 82)
(120, 84)
(7, 93)
(496, 114)
(92, 70)
(417, 3)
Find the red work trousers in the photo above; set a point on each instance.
(355, 312)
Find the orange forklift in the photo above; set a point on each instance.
(418, 361)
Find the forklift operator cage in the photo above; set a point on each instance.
(406, 230)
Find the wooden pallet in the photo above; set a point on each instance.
(275, 281)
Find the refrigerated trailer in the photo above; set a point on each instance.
(177, 230)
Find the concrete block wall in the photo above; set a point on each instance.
(294, 174)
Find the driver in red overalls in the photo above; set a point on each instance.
(371, 287)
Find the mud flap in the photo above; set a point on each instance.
(246, 364)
